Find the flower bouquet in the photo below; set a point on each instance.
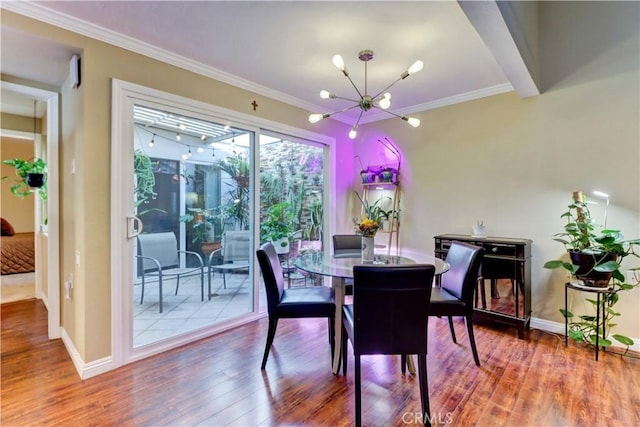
(368, 227)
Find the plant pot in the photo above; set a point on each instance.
(586, 262)
(35, 180)
(281, 246)
(386, 176)
(207, 247)
(368, 177)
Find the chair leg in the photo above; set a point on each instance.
(209, 282)
(403, 364)
(453, 331)
(343, 359)
(273, 324)
(472, 340)
(142, 294)
(224, 279)
(201, 283)
(160, 291)
(358, 391)
(332, 335)
(424, 389)
(177, 284)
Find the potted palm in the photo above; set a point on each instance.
(31, 174)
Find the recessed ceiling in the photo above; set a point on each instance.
(281, 49)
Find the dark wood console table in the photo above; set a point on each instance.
(504, 258)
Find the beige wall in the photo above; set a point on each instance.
(85, 128)
(514, 162)
(508, 161)
(19, 212)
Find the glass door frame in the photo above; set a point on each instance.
(124, 96)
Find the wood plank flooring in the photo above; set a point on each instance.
(217, 381)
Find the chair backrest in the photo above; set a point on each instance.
(461, 278)
(161, 246)
(271, 274)
(391, 308)
(347, 245)
(236, 246)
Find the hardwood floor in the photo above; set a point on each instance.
(218, 381)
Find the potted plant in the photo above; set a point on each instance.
(277, 227)
(312, 232)
(203, 230)
(595, 256)
(31, 175)
(596, 260)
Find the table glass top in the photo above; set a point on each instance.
(327, 265)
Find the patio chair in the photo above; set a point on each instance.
(159, 256)
(232, 256)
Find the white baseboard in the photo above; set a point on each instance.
(558, 328)
(86, 370)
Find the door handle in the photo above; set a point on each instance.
(134, 226)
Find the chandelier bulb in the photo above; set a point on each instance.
(325, 94)
(384, 103)
(353, 133)
(315, 118)
(338, 62)
(415, 67)
(412, 121)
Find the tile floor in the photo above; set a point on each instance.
(186, 312)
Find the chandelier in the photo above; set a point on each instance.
(381, 101)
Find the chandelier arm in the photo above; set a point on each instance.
(340, 111)
(354, 85)
(386, 89)
(358, 121)
(390, 112)
(346, 99)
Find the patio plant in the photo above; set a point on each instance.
(31, 174)
(277, 227)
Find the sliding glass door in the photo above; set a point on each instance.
(192, 200)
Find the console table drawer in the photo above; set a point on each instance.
(500, 249)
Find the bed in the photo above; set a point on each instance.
(17, 251)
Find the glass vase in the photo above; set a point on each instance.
(367, 249)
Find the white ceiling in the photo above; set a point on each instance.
(283, 49)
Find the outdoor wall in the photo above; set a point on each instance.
(514, 163)
(19, 212)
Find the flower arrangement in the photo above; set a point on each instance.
(368, 227)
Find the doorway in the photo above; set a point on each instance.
(47, 238)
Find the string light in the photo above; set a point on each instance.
(152, 142)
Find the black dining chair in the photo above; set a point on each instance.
(316, 301)
(454, 297)
(347, 245)
(389, 315)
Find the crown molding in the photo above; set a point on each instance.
(443, 102)
(64, 21)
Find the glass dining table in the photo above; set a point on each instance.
(341, 268)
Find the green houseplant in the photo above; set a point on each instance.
(595, 256)
(31, 174)
(596, 260)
